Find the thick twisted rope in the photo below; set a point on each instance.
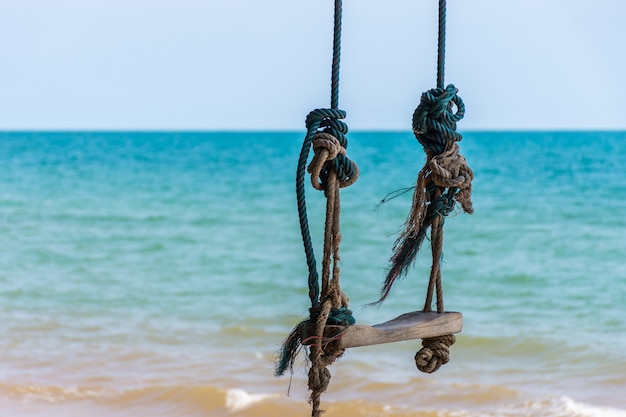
(323, 354)
(330, 170)
(444, 180)
(332, 306)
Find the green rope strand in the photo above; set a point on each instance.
(441, 44)
(322, 120)
(334, 90)
(327, 121)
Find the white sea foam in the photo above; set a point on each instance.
(557, 407)
(34, 393)
(574, 408)
(238, 399)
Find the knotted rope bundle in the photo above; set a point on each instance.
(434, 126)
(330, 170)
(444, 180)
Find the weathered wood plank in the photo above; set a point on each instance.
(408, 326)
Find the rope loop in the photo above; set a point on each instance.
(434, 353)
(328, 121)
(434, 119)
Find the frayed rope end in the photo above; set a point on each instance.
(289, 350)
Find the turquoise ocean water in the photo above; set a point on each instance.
(156, 274)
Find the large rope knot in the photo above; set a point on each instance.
(329, 143)
(434, 353)
(324, 353)
(434, 119)
(434, 126)
(328, 121)
(326, 147)
(319, 378)
(449, 169)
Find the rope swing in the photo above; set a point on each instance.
(330, 170)
(444, 181)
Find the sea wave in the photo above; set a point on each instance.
(202, 400)
(555, 407)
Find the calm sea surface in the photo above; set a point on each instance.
(156, 274)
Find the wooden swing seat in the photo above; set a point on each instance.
(408, 326)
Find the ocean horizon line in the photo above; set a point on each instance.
(278, 130)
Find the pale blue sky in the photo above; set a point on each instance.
(264, 64)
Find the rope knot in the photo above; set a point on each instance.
(434, 119)
(330, 153)
(328, 121)
(434, 353)
(326, 147)
(319, 378)
(328, 144)
(449, 169)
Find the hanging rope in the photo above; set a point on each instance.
(330, 171)
(444, 180)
